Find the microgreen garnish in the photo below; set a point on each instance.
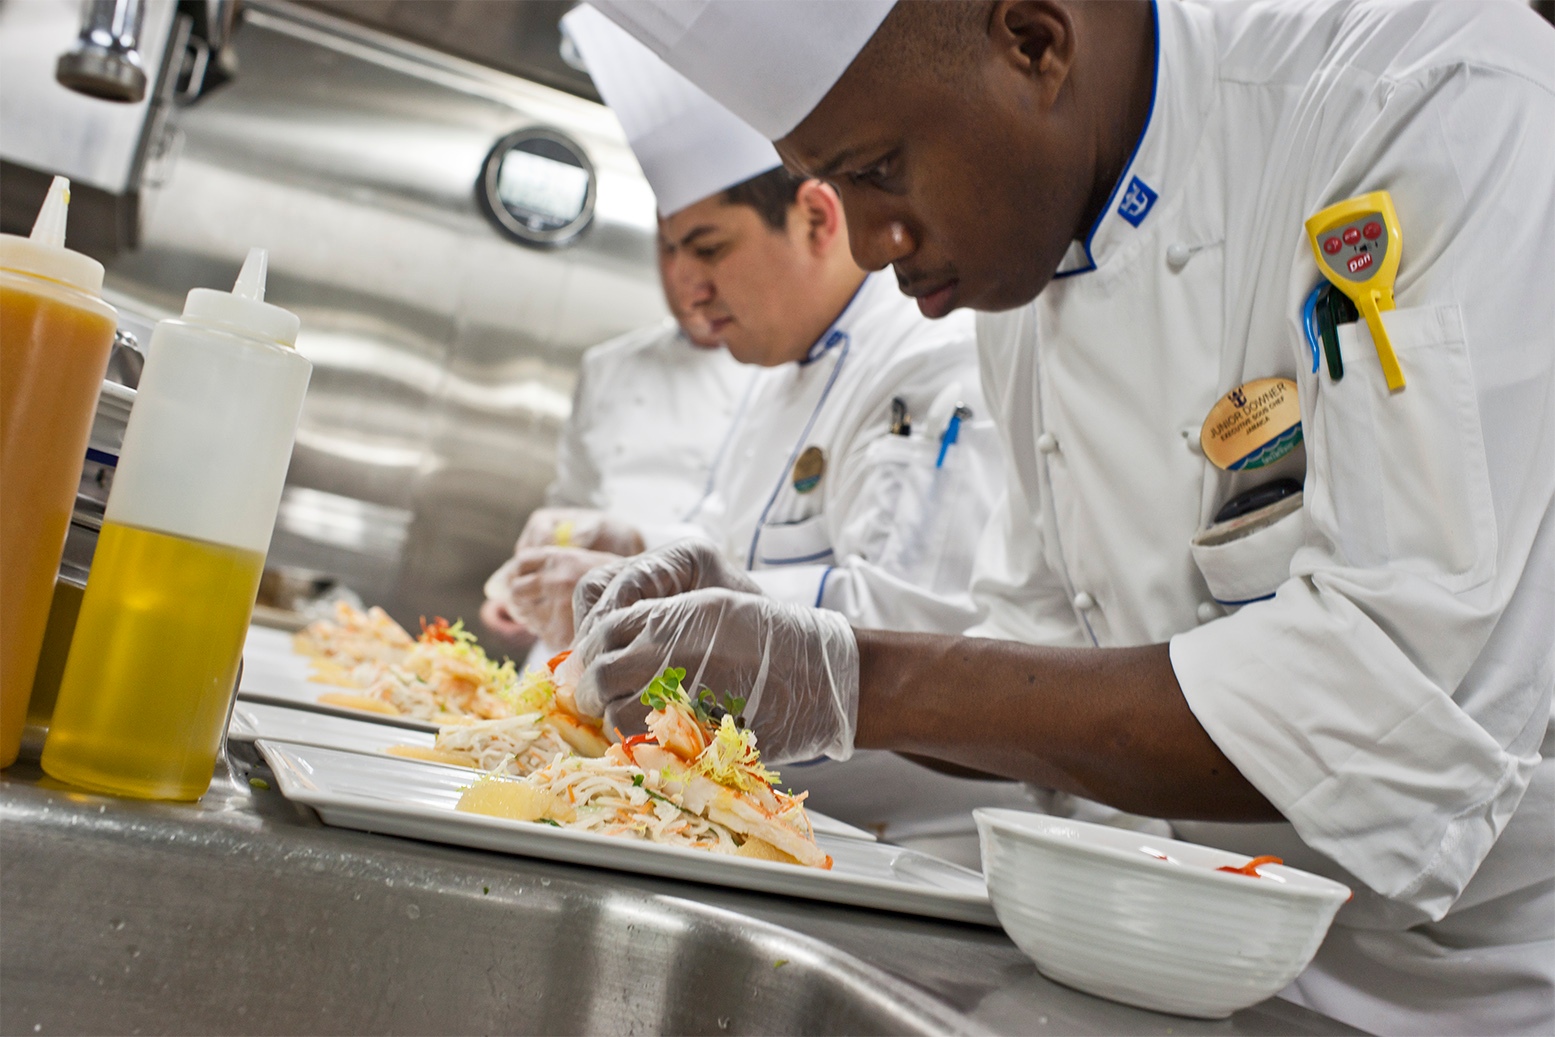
(670, 687)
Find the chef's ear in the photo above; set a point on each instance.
(1035, 38)
(818, 215)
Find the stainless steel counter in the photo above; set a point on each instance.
(243, 914)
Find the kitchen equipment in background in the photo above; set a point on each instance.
(1148, 921)
(55, 335)
(154, 661)
(108, 150)
(538, 186)
(444, 352)
(105, 60)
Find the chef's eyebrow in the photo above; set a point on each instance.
(835, 165)
(694, 233)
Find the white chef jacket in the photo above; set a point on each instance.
(887, 536)
(648, 415)
(1386, 681)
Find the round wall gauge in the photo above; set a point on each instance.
(538, 187)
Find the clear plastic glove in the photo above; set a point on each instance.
(686, 565)
(796, 667)
(587, 528)
(540, 585)
(504, 628)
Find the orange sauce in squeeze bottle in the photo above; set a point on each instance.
(55, 336)
(149, 681)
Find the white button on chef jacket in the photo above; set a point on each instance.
(884, 537)
(648, 415)
(1391, 693)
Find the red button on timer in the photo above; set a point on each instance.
(1351, 235)
(1332, 245)
(1372, 230)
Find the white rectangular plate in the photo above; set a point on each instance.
(385, 794)
(252, 721)
(272, 650)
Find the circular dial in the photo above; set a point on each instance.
(538, 186)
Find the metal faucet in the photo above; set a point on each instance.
(105, 60)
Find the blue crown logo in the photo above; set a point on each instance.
(1137, 201)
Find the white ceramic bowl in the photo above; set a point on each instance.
(1149, 921)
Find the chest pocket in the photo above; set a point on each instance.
(1402, 476)
(806, 542)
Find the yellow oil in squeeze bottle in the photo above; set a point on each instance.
(55, 335)
(150, 675)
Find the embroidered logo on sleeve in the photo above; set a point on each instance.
(1136, 202)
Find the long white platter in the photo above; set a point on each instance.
(275, 675)
(252, 721)
(385, 794)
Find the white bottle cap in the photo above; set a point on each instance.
(44, 253)
(244, 308)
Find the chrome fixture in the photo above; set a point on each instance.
(105, 61)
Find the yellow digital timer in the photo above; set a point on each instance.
(1357, 243)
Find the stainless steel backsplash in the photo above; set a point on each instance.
(444, 355)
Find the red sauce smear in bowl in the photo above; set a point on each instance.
(1251, 867)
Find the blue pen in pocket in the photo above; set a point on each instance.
(952, 431)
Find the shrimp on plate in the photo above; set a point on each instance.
(694, 780)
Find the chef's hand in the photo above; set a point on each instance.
(540, 588)
(796, 667)
(686, 565)
(510, 632)
(587, 528)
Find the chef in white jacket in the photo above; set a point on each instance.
(862, 464)
(1366, 668)
(650, 410)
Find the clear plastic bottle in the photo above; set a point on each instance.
(55, 336)
(150, 675)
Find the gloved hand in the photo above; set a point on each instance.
(501, 626)
(540, 584)
(686, 565)
(587, 528)
(796, 667)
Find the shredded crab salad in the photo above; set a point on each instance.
(491, 717)
(522, 743)
(694, 780)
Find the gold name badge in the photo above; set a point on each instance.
(809, 469)
(1253, 425)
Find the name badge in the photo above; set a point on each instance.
(809, 469)
(1253, 425)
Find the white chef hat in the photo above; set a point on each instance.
(768, 61)
(689, 146)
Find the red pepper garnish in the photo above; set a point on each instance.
(627, 743)
(1251, 867)
(557, 659)
(437, 631)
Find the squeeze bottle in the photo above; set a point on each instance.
(149, 679)
(55, 336)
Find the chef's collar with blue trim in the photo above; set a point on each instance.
(837, 333)
(1182, 92)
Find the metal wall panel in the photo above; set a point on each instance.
(444, 354)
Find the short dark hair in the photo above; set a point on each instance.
(770, 194)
